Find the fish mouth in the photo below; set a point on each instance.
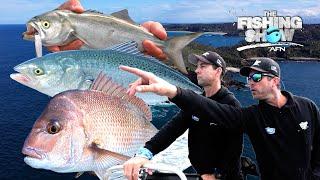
(21, 78)
(32, 153)
(31, 32)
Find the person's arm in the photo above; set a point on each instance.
(165, 136)
(150, 48)
(315, 155)
(195, 104)
(169, 133)
(209, 110)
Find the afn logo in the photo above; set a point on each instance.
(269, 30)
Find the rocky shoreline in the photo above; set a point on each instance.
(298, 59)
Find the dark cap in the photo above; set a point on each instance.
(208, 57)
(262, 64)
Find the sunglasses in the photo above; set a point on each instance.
(257, 77)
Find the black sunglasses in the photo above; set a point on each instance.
(256, 77)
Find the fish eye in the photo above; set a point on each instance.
(45, 24)
(38, 72)
(53, 127)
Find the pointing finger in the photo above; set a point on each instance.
(147, 88)
(143, 74)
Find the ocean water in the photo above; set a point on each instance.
(20, 106)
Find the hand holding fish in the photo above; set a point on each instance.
(97, 30)
(158, 30)
(148, 82)
(150, 48)
(72, 5)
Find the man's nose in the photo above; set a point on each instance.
(251, 82)
(197, 70)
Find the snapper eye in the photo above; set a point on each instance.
(38, 72)
(45, 24)
(53, 127)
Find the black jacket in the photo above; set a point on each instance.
(286, 140)
(210, 146)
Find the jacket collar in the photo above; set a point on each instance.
(289, 103)
(223, 91)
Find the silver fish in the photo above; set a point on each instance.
(100, 31)
(89, 130)
(61, 71)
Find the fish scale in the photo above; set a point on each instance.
(101, 31)
(119, 117)
(100, 127)
(76, 69)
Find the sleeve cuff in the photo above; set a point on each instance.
(177, 96)
(144, 152)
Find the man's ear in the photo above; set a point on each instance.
(276, 81)
(219, 69)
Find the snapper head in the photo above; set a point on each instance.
(57, 139)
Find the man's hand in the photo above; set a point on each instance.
(132, 166)
(150, 48)
(158, 30)
(148, 82)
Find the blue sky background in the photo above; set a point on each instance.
(168, 11)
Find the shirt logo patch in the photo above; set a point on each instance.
(270, 130)
(195, 118)
(304, 125)
(213, 124)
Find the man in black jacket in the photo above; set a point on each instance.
(213, 150)
(284, 129)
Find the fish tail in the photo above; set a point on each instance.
(174, 49)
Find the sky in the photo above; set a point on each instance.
(168, 11)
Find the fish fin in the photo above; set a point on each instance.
(105, 84)
(175, 45)
(91, 11)
(174, 49)
(130, 47)
(103, 152)
(124, 15)
(106, 158)
(115, 175)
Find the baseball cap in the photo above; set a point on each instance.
(262, 64)
(208, 57)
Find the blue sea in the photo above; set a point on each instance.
(20, 105)
(210, 40)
